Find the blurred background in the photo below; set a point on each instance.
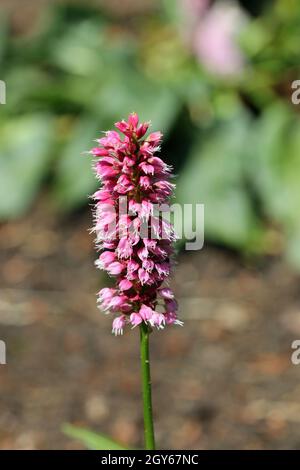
(216, 77)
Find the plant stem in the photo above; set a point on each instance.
(146, 381)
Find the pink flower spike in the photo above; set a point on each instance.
(133, 120)
(124, 185)
(148, 264)
(154, 138)
(106, 293)
(163, 269)
(144, 276)
(118, 325)
(158, 320)
(124, 248)
(125, 284)
(147, 169)
(110, 141)
(166, 293)
(133, 206)
(171, 319)
(119, 303)
(146, 209)
(105, 259)
(102, 195)
(142, 129)
(146, 312)
(145, 182)
(115, 268)
(99, 152)
(122, 126)
(135, 319)
(133, 177)
(132, 266)
(171, 305)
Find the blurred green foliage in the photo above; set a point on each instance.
(90, 439)
(233, 140)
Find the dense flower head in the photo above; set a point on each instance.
(134, 239)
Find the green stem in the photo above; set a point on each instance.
(146, 380)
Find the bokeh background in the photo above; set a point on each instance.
(215, 77)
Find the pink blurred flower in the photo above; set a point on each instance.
(215, 39)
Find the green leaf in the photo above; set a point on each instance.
(26, 144)
(90, 439)
(214, 176)
(118, 97)
(75, 179)
(277, 156)
(79, 50)
(23, 83)
(270, 143)
(173, 11)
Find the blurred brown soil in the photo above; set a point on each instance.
(224, 380)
